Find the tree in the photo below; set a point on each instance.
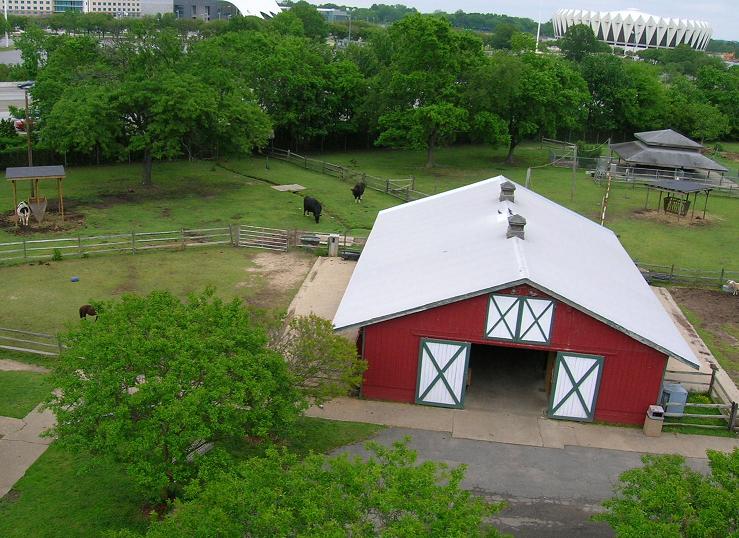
(523, 41)
(389, 494)
(666, 498)
(314, 25)
(323, 364)
(156, 380)
(644, 99)
(579, 42)
(691, 114)
(502, 36)
(421, 84)
(606, 78)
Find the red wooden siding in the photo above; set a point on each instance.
(631, 376)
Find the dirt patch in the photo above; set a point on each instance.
(8, 365)
(52, 223)
(669, 218)
(282, 272)
(719, 316)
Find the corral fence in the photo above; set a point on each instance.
(709, 384)
(671, 274)
(403, 189)
(47, 345)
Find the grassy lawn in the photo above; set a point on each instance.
(62, 496)
(721, 340)
(197, 194)
(41, 297)
(699, 399)
(20, 392)
(704, 245)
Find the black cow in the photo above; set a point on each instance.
(358, 191)
(311, 205)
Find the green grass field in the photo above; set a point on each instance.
(696, 398)
(21, 392)
(41, 297)
(63, 496)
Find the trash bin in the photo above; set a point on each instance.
(654, 420)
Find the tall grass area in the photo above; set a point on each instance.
(710, 245)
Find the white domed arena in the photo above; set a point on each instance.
(635, 29)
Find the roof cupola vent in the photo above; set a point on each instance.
(516, 224)
(506, 191)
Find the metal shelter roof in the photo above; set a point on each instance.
(637, 152)
(34, 172)
(668, 138)
(679, 185)
(452, 246)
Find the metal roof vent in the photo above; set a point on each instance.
(506, 191)
(516, 224)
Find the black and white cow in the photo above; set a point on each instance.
(358, 191)
(311, 205)
(23, 211)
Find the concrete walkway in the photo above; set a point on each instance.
(511, 428)
(21, 445)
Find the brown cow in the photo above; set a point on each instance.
(88, 310)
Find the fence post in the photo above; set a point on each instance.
(133, 242)
(714, 369)
(183, 238)
(79, 244)
(387, 185)
(721, 279)
(413, 183)
(305, 162)
(672, 271)
(25, 254)
(59, 343)
(231, 234)
(732, 416)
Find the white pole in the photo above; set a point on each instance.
(5, 12)
(538, 28)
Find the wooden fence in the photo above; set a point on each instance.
(403, 189)
(709, 384)
(671, 274)
(36, 343)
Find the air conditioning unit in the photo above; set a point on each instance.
(676, 396)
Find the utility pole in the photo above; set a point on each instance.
(350, 29)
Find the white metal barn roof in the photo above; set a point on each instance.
(452, 246)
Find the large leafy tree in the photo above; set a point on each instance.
(606, 78)
(692, 115)
(579, 42)
(389, 494)
(154, 381)
(666, 499)
(425, 72)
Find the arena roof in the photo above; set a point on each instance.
(256, 8)
(637, 152)
(667, 137)
(453, 245)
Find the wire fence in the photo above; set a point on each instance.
(403, 189)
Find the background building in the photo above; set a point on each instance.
(632, 28)
(194, 9)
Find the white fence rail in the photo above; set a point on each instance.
(36, 343)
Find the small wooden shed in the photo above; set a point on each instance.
(456, 291)
(35, 174)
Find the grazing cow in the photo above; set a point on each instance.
(88, 310)
(311, 205)
(358, 191)
(733, 287)
(24, 212)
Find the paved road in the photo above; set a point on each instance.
(550, 492)
(9, 56)
(10, 95)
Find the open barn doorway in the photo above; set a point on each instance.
(508, 379)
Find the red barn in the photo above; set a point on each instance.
(491, 295)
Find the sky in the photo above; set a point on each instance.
(722, 15)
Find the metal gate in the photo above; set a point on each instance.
(259, 237)
(575, 386)
(442, 371)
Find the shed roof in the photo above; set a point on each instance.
(34, 172)
(452, 246)
(667, 137)
(680, 185)
(637, 152)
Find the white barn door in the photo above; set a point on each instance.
(442, 372)
(575, 386)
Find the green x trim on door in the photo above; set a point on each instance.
(452, 379)
(583, 386)
(514, 318)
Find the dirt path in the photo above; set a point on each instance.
(8, 365)
(283, 272)
(718, 315)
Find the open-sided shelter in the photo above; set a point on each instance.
(495, 273)
(35, 174)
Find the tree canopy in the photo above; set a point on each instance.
(155, 381)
